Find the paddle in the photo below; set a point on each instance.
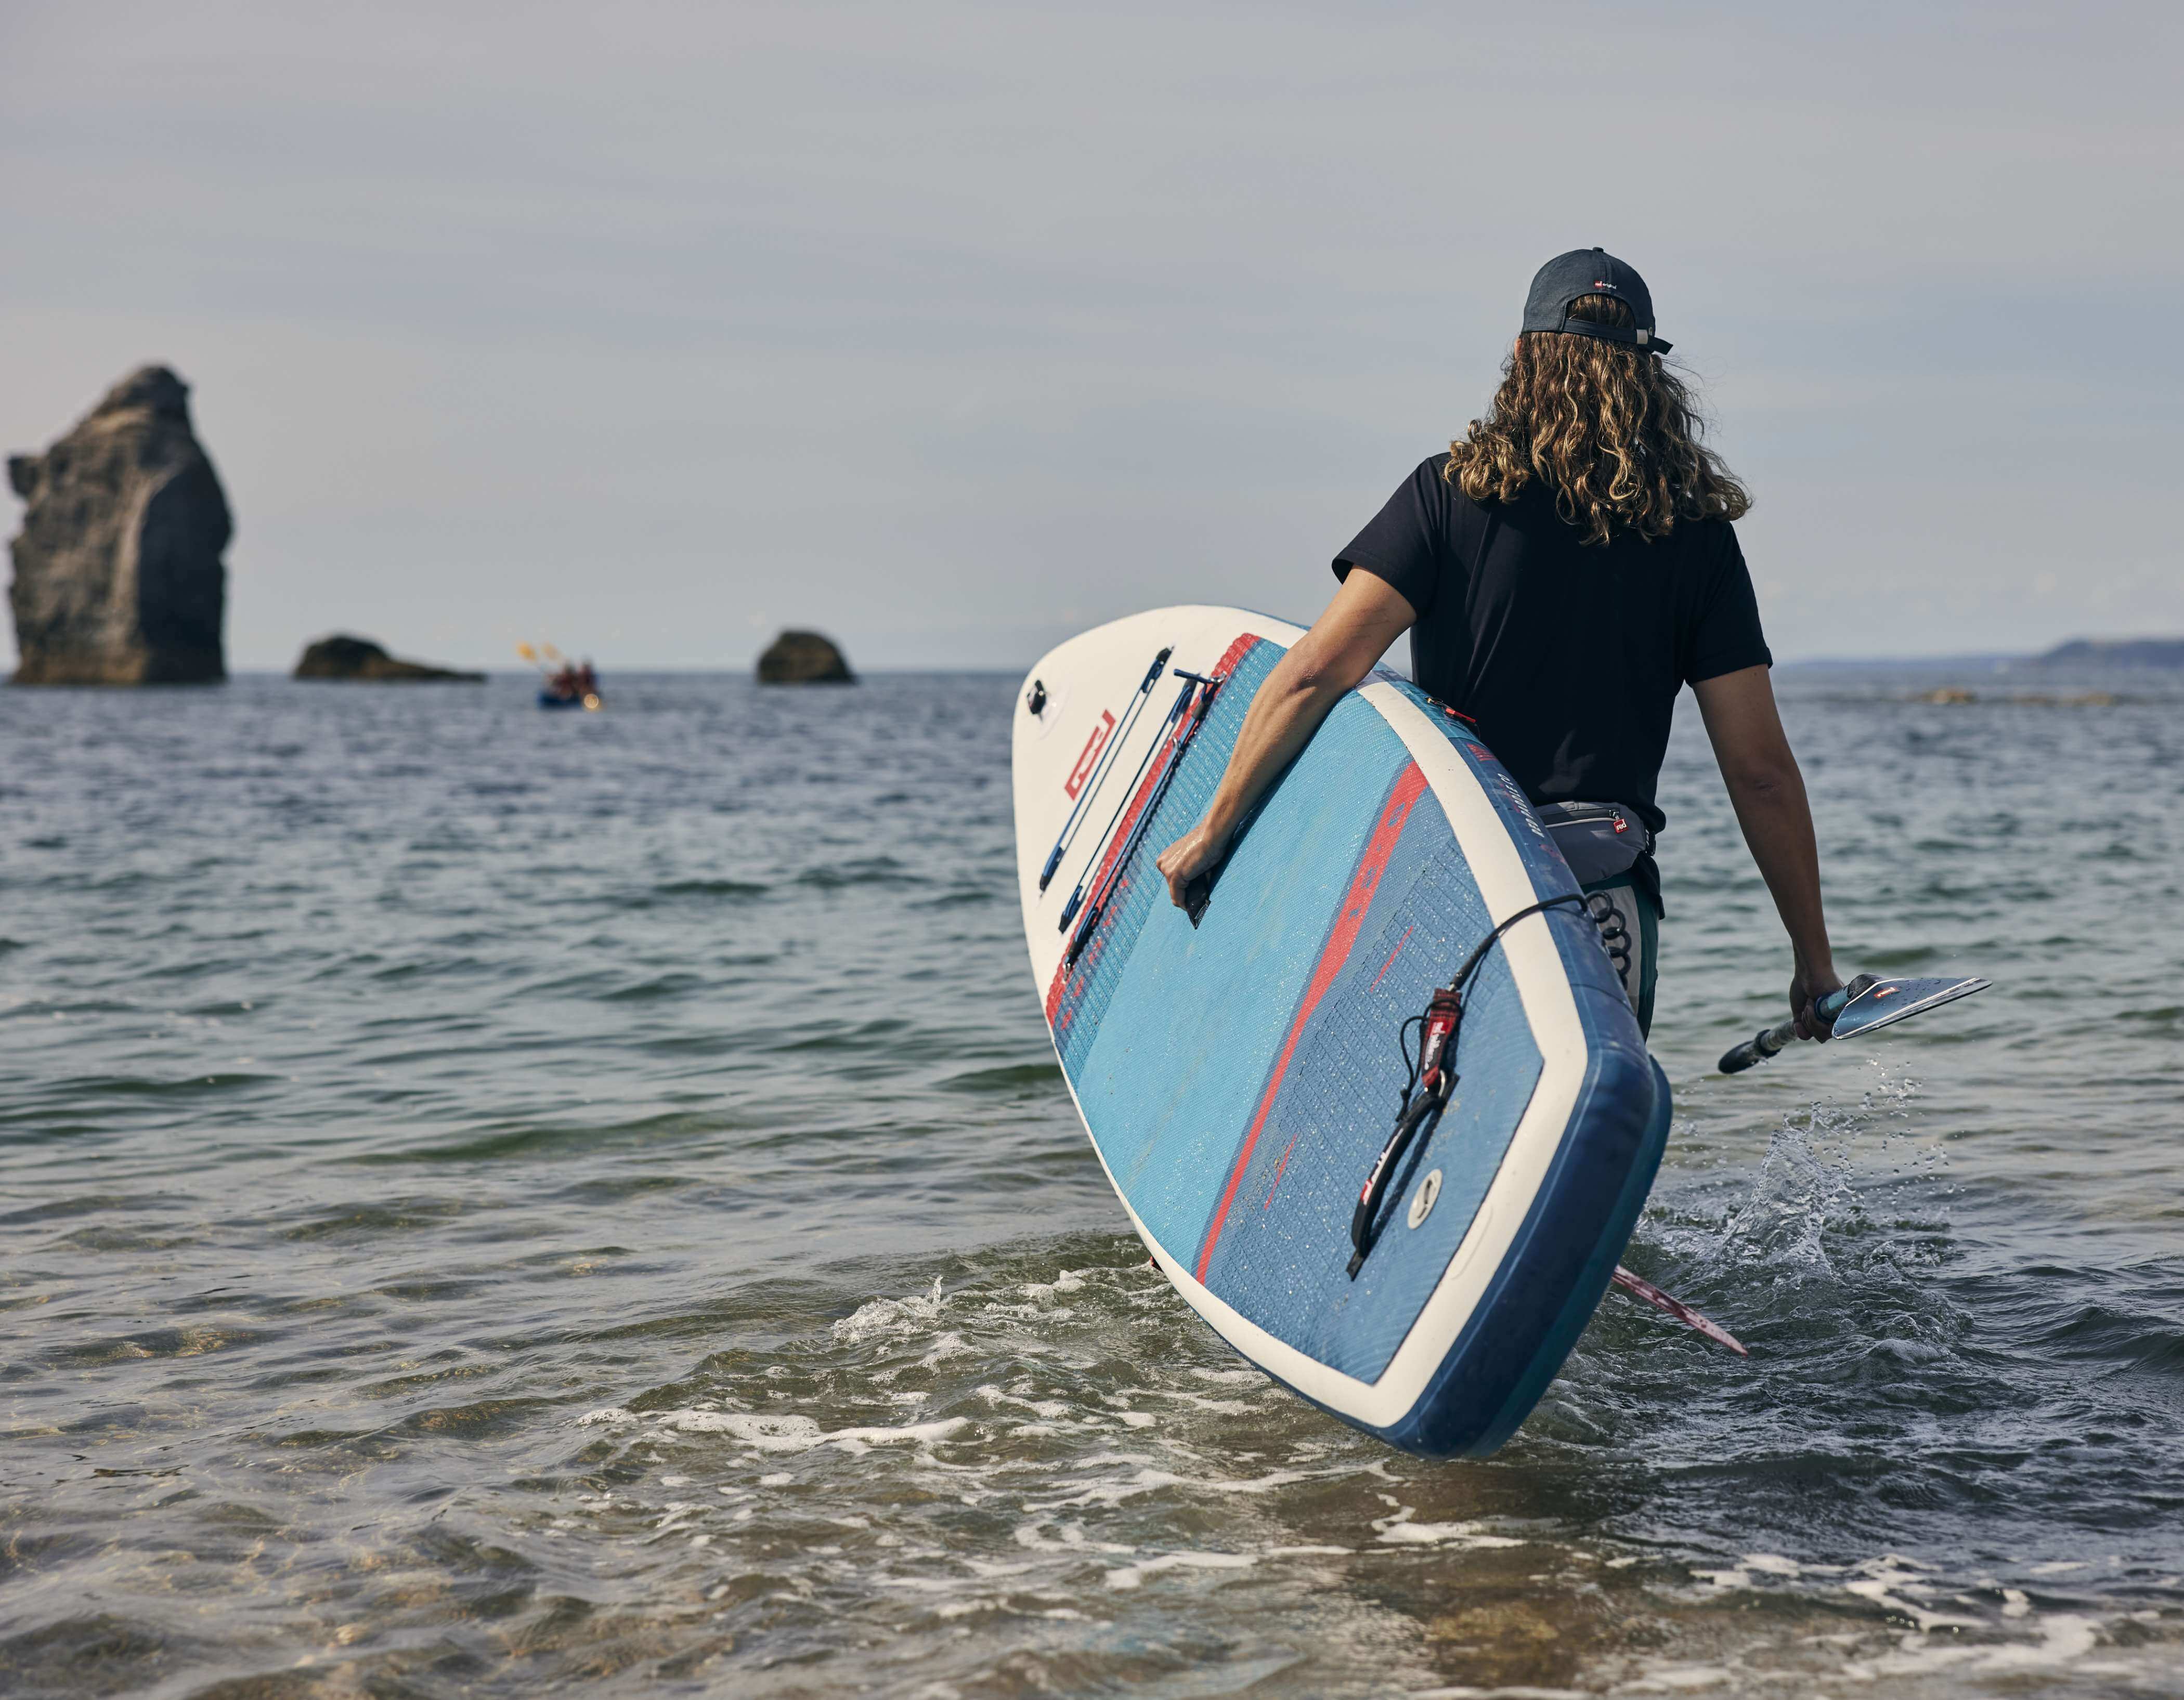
(1867, 1002)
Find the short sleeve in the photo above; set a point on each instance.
(1406, 542)
(1724, 635)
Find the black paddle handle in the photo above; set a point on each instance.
(1768, 1041)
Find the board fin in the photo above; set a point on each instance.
(1639, 1287)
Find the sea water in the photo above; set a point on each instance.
(495, 1202)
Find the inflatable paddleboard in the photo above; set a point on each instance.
(1240, 1073)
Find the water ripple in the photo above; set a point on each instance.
(498, 1204)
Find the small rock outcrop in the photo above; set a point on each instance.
(343, 656)
(118, 572)
(804, 657)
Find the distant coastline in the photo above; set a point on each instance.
(2164, 654)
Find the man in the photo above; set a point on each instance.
(1564, 570)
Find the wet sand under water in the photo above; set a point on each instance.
(496, 1203)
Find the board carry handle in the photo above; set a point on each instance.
(1199, 892)
(1186, 727)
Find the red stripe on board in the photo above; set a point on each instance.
(1229, 657)
(1342, 939)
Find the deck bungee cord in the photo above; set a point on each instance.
(1102, 768)
(1122, 803)
(1179, 742)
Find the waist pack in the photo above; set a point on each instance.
(1599, 840)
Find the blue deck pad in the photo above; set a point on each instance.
(1169, 1082)
(1089, 988)
(1576, 940)
(1282, 1257)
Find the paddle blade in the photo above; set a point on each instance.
(527, 652)
(1639, 1287)
(1886, 1000)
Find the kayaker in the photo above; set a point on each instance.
(1564, 570)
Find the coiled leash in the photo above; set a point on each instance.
(1186, 725)
(1431, 1080)
(1613, 934)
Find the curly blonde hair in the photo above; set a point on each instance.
(1605, 425)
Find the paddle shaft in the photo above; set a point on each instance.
(1770, 1041)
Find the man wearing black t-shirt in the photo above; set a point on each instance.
(1564, 570)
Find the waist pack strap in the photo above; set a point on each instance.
(1598, 840)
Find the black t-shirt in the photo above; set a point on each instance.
(1567, 658)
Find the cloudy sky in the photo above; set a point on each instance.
(950, 328)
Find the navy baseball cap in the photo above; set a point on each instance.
(1591, 271)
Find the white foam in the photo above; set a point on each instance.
(766, 1432)
(1148, 1480)
(891, 1318)
(2064, 1638)
(1524, 1692)
(1068, 1537)
(1405, 1533)
(1068, 1281)
(1133, 1575)
(1676, 1678)
(947, 1346)
(1887, 1590)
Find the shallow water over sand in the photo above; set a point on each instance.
(495, 1202)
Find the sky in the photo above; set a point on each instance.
(953, 328)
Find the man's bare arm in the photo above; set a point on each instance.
(1768, 792)
(1366, 615)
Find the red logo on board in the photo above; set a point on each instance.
(1086, 762)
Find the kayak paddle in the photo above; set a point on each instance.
(1858, 1007)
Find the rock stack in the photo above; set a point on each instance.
(117, 573)
(804, 657)
(359, 658)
